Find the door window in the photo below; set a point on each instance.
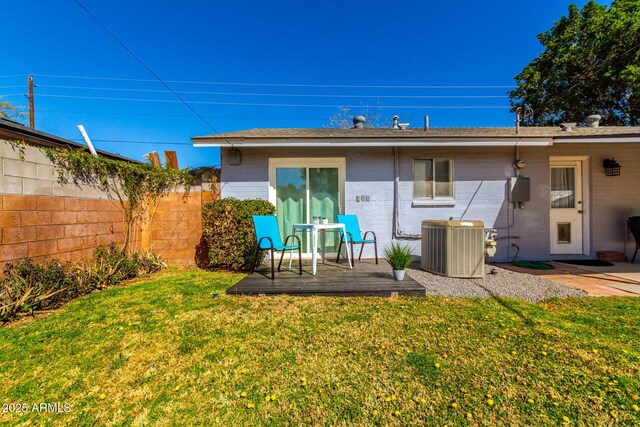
(563, 187)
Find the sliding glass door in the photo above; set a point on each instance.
(305, 188)
(324, 195)
(291, 200)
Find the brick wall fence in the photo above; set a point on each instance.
(41, 218)
(175, 228)
(65, 227)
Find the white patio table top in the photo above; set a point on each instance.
(314, 228)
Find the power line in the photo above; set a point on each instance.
(317, 119)
(181, 115)
(298, 95)
(285, 84)
(125, 141)
(256, 104)
(145, 65)
(12, 76)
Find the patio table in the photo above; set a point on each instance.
(314, 228)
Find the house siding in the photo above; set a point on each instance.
(612, 198)
(481, 190)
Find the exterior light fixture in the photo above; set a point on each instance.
(611, 167)
(235, 157)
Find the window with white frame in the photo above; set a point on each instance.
(432, 179)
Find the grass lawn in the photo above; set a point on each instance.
(162, 351)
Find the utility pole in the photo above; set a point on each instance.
(32, 122)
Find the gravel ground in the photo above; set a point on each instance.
(505, 283)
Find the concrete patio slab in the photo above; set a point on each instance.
(595, 281)
(623, 270)
(628, 287)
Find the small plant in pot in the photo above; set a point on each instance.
(400, 257)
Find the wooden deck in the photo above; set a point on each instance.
(366, 279)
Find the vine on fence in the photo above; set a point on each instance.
(18, 146)
(136, 186)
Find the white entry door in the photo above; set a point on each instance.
(567, 207)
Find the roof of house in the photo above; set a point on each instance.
(542, 135)
(13, 130)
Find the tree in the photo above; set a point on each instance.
(590, 65)
(10, 111)
(343, 119)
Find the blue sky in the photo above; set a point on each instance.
(266, 47)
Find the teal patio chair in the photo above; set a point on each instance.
(354, 235)
(634, 226)
(268, 238)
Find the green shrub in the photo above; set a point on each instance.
(227, 229)
(111, 265)
(399, 256)
(27, 286)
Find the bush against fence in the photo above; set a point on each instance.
(228, 231)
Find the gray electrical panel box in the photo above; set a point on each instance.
(519, 189)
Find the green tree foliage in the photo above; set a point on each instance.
(590, 65)
(10, 111)
(227, 229)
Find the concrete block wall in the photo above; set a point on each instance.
(480, 178)
(41, 218)
(175, 228)
(34, 175)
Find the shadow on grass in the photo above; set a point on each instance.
(507, 304)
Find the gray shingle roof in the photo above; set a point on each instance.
(418, 133)
(13, 130)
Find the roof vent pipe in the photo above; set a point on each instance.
(593, 121)
(397, 125)
(426, 122)
(358, 122)
(83, 132)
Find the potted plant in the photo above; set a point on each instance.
(400, 257)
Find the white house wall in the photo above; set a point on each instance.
(480, 180)
(612, 198)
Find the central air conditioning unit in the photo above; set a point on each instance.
(453, 248)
